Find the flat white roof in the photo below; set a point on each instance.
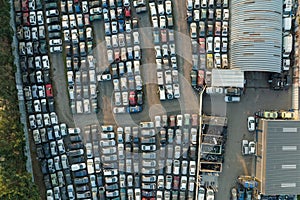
(227, 78)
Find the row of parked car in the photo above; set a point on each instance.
(80, 63)
(46, 131)
(287, 35)
(120, 157)
(208, 24)
(124, 54)
(165, 51)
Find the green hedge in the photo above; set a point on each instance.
(15, 181)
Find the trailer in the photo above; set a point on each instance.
(210, 167)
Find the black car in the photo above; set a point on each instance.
(31, 65)
(46, 76)
(192, 152)
(99, 180)
(43, 47)
(80, 173)
(54, 35)
(73, 146)
(50, 133)
(139, 96)
(63, 193)
(47, 181)
(51, 105)
(44, 106)
(46, 148)
(32, 78)
(53, 20)
(81, 181)
(23, 64)
(36, 45)
(25, 78)
(82, 188)
(68, 177)
(75, 138)
(112, 186)
(44, 166)
(40, 151)
(137, 183)
(74, 160)
(29, 107)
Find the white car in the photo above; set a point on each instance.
(245, 147)
(252, 147)
(78, 166)
(176, 167)
(251, 123)
(136, 39)
(210, 195)
(155, 21)
(201, 193)
(55, 42)
(114, 27)
(183, 183)
(46, 64)
(89, 150)
(168, 5)
(149, 147)
(225, 14)
(53, 118)
(192, 168)
(193, 30)
(217, 41)
(56, 49)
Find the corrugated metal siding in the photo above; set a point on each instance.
(256, 35)
(279, 179)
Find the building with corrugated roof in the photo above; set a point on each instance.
(278, 157)
(256, 35)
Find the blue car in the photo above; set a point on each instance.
(121, 25)
(134, 109)
(77, 8)
(241, 193)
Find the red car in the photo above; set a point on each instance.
(172, 121)
(176, 183)
(25, 6)
(49, 92)
(163, 35)
(132, 98)
(26, 19)
(200, 78)
(127, 12)
(202, 45)
(194, 119)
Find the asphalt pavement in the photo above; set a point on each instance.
(257, 96)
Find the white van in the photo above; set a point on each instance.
(287, 23)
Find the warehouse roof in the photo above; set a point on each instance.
(256, 35)
(282, 157)
(227, 78)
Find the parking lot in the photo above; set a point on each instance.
(111, 69)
